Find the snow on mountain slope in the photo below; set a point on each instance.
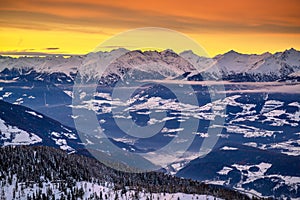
(48, 64)
(248, 169)
(93, 65)
(233, 62)
(203, 63)
(28, 127)
(92, 190)
(166, 63)
(11, 135)
(290, 56)
(58, 175)
(281, 63)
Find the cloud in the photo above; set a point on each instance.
(193, 16)
(51, 48)
(35, 52)
(30, 53)
(117, 47)
(284, 89)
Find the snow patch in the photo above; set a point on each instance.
(34, 114)
(226, 148)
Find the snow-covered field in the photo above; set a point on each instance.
(11, 135)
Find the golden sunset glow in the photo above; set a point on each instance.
(37, 27)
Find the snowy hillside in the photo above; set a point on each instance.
(58, 175)
(89, 190)
(28, 127)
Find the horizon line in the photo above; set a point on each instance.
(22, 54)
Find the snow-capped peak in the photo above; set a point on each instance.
(166, 63)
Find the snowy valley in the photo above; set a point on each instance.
(256, 98)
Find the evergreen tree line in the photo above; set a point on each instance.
(37, 165)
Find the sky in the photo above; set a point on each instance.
(38, 27)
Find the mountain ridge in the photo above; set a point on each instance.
(75, 60)
(168, 64)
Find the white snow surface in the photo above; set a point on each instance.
(34, 114)
(11, 135)
(227, 148)
(91, 189)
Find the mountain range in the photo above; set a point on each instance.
(258, 145)
(169, 64)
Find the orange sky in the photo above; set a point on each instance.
(78, 26)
